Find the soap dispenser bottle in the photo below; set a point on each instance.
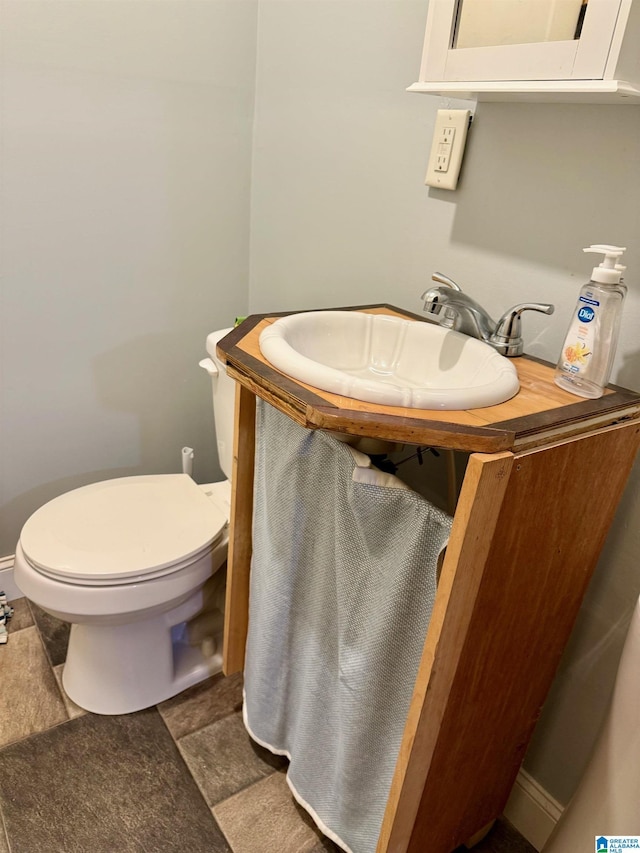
(587, 356)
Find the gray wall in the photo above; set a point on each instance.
(340, 216)
(126, 164)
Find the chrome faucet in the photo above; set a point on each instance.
(455, 310)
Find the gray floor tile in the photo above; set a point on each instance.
(73, 710)
(202, 704)
(503, 838)
(54, 633)
(31, 700)
(323, 844)
(21, 618)
(265, 818)
(223, 759)
(103, 784)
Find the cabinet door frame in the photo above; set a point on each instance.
(586, 58)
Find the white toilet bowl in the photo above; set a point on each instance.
(125, 561)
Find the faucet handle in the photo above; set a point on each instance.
(434, 308)
(441, 278)
(507, 337)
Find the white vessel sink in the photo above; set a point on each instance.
(389, 360)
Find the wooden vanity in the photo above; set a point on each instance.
(545, 475)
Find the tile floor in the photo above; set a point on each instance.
(183, 777)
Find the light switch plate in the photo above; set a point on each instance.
(447, 148)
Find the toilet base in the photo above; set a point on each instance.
(118, 669)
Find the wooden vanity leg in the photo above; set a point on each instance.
(483, 491)
(239, 560)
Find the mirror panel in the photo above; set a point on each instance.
(490, 23)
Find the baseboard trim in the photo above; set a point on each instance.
(531, 810)
(7, 583)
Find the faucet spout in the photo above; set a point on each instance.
(457, 310)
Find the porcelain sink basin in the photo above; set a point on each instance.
(388, 360)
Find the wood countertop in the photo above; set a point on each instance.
(540, 413)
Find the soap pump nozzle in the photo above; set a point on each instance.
(609, 271)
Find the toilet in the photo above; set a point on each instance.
(125, 561)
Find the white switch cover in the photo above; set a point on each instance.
(447, 148)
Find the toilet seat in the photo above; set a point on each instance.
(124, 530)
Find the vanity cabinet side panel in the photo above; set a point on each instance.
(236, 620)
(553, 521)
(478, 509)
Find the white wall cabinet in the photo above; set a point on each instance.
(566, 51)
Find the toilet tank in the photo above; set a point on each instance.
(224, 390)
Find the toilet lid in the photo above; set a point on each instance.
(121, 528)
